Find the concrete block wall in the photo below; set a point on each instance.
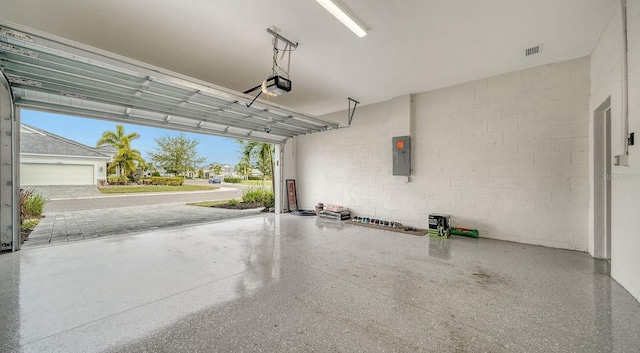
(516, 153)
(506, 154)
(349, 166)
(625, 181)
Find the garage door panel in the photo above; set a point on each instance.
(56, 174)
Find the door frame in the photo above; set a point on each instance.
(601, 191)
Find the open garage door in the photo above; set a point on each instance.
(50, 73)
(56, 174)
(54, 74)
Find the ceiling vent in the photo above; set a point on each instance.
(533, 50)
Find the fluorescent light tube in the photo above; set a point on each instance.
(341, 14)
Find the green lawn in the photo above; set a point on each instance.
(153, 188)
(256, 182)
(208, 203)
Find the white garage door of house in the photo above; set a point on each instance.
(56, 174)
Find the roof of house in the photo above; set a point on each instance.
(107, 150)
(37, 141)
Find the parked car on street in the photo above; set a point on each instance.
(215, 180)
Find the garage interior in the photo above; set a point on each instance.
(520, 117)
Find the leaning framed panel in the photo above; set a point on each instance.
(291, 195)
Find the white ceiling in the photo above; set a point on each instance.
(413, 45)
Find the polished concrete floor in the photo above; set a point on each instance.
(299, 284)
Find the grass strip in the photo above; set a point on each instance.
(208, 203)
(256, 182)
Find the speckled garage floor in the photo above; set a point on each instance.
(299, 284)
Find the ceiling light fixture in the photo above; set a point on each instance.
(343, 15)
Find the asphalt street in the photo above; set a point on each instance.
(227, 191)
(141, 199)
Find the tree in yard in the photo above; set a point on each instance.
(243, 168)
(262, 153)
(176, 154)
(217, 169)
(126, 159)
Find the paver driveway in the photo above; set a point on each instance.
(62, 227)
(82, 212)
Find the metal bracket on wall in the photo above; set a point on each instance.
(351, 112)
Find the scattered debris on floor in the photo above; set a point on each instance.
(304, 213)
(387, 225)
(467, 232)
(439, 224)
(341, 216)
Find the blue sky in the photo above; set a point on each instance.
(88, 131)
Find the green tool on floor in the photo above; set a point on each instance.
(465, 232)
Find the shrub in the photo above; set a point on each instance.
(254, 177)
(269, 199)
(233, 202)
(24, 195)
(146, 181)
(155, 174)
(29, 223)
(251, 195)
(136, 176)
(167, 181)
(117, 180)
(232, 180)
(35, 205)
(264, 196)
(31, 204)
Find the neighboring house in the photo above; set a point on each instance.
(227, 170)
(49, 159)
(255, 173)
(164, 173)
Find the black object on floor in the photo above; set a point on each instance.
(304, 213)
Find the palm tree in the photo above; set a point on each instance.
(217, 169)
(264, 153)
(242, 168)
(126, 157)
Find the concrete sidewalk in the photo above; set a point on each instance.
(63, 227)
(64, 191)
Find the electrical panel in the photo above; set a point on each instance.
(402, 155)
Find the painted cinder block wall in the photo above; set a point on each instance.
(625, 181)
(506, 154)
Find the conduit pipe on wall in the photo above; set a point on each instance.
(623, 160)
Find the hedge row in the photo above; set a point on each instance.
(163, 181)
(232, 180)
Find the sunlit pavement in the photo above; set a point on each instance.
(65, 227)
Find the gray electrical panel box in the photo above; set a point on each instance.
(402, 155)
